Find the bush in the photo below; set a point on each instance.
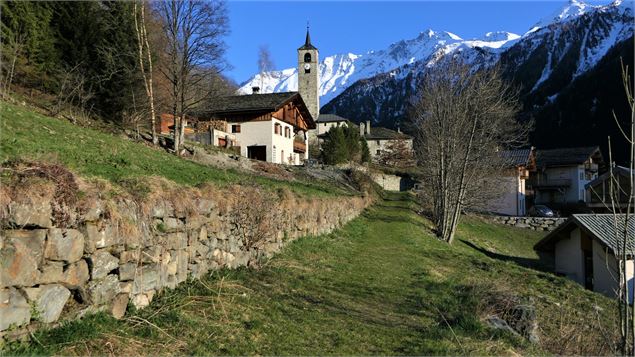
(344, 144)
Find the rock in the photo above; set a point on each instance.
(140, 301)
(172, 224)
(151, 254)
(76, 275)
(14, 309)
(521, 225)
(523, 320)
(30, 214)
(94, 210)
(129, 256)
(205, 206)
(119, 305)
(49, 301)
(21, 257)
(125, 287)
(103, 291)
(64, 244)
(96, 237)
(127, 271)
(147, 278)
(176, 240)
(162, 209)
(497, 323)
(102, 263)
(52, 272)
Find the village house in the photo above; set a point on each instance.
(380, 139)
(327, 121)
(585, 249)
(598, 191)
(513, 192)
(268, 127)
(562, 174)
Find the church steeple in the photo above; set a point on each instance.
(307, 42)
(308, 75)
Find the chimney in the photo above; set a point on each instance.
(361, 129)
(367, 127)
(255, 90)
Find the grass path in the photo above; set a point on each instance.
(381, 285)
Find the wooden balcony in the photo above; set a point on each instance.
(299, 146)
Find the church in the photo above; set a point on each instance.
(272, 127)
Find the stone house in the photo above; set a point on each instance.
(380, 139)
(268, 127)
(562, 174)
(598, 191)
(327, 121)
(585, 249)
(513, 192)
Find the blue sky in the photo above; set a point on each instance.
(360, 26)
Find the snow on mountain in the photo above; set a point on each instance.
(598, 28)
(337, 72)
(550, 44)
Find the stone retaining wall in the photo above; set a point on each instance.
(108, 252)
(534, 223)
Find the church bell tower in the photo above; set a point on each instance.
(308, 76)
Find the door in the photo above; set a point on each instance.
(588, 269)
(257, 152)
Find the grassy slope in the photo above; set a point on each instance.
(380, 285)
(25, 134)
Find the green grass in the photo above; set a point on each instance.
(381, 285)
(28, 135)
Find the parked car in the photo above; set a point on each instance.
(541, 211)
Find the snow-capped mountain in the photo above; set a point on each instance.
(576, 37)
(338, 72)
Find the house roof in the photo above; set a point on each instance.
(617, 170)
(515, 158)
(256, 103)
(379, 133)
(307, 42)
(566, 156)
(330, 118)
(600, 226)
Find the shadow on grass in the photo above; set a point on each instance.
(536, 264)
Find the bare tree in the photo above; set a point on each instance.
(461, 120)
(145, 55)
(621, 206)
(195, 50)
(397, 153)
(265, 63)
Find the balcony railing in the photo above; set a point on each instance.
(299, 147)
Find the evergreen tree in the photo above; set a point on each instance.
(365, 151)
(334, 149)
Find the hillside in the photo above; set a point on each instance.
(27, 135)
(381, 285)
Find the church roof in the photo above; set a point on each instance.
(307, 42)
(330, 118)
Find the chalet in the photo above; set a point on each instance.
(513, 198)
(562, 174)
(269, 127)
(586, 249)
(598, 191)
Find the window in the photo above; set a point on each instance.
(277, 129)
(581, 175)
(236, 128)
(378, 143)
(307, 57)
(282, 156)
(378, 152)
(287, 133)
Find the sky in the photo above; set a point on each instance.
(361, 26)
